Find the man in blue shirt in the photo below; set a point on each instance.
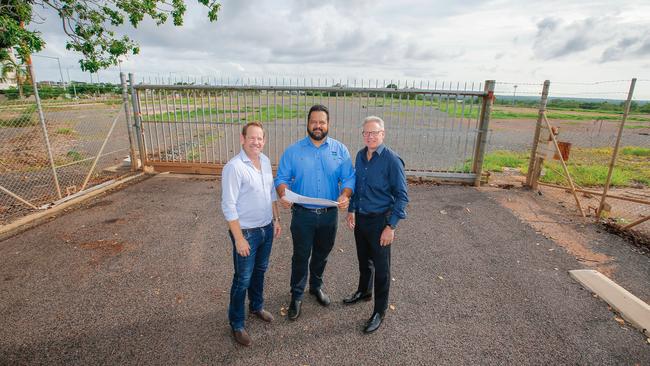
(316, 166)
(248, 202)
(379, 202)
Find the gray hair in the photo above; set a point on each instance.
(373, 119)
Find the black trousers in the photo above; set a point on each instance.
(313, 235)
(373, 258)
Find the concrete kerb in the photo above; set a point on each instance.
(631, 308)
(37, 218)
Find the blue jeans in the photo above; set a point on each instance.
(249, 274)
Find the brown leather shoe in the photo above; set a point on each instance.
(242, 337)
(264, 315)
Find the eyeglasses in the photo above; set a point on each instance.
(371, 133)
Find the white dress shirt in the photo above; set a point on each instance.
(247, 194)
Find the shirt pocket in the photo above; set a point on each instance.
(377, 179)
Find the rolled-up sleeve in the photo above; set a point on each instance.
(230, 183)
(284, 173)
(398, 189)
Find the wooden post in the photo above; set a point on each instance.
(628, 102)
(535, 164)
(566, 170)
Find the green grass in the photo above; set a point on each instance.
(635, 127)
(262, 114)
(64, 131)
(588, 167)
(74, 155)
(26, 118)
(635, 150)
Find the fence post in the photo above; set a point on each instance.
(138, 124)
(125, 101)
(535, 164)
(481, 139)
(41, 117)
(628, 103)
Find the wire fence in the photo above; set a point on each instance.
(589, 135)
(79, 143)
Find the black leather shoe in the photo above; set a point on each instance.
(374, 322)
(294, 309)
(321, 296)
(358, 296)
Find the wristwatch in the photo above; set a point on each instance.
(392, 226)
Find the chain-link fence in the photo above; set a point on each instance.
(589, 134)
(79, 142)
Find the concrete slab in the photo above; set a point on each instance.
(631, 308)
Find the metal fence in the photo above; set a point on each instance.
(439, 130)
(52, 152)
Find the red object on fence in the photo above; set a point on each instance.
(565, 148)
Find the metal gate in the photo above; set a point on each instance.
(438, 132)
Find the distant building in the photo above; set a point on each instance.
(10, 78)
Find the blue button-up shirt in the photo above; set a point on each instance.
(380, 184)
(247, 194)
(319, 172)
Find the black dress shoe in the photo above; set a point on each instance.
(358, 296)
(294, 309)
(321, 296)
(374, 322)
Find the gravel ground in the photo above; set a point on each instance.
(141, 276)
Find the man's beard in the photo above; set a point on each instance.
(317, 138)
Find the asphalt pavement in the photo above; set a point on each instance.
(142, 276)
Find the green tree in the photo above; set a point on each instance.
(89, 25)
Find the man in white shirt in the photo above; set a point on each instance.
(248, 203)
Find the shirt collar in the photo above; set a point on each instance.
(245, 158)
(379, 150)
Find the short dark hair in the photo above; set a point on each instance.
(318, 108)
(254, 123)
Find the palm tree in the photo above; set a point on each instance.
(8, 64)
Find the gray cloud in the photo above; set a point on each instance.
(625, 48)
(555, 39)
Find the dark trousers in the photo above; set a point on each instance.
(313, 235)
(373, 258)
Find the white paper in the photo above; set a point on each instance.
(303, 200)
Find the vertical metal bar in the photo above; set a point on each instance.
(181, 148)
(163, 123)
(628, 103)
(535, 164)
(127, 114)
(41, 118)
(181, 105)
(203, 126)
(169, 127)
(212, 125)
(139, 134)
(483, 129)
(196, 122)
(147, 109)
(190, 96)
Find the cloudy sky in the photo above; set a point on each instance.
(579, 45)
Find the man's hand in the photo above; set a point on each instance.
(285, 202)
(350, 219)
(242, 247)
(344, 202)
(277, 229)
(387, 236)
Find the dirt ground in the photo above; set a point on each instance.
(141, 276)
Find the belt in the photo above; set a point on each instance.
(317, 211)
(246, 231)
